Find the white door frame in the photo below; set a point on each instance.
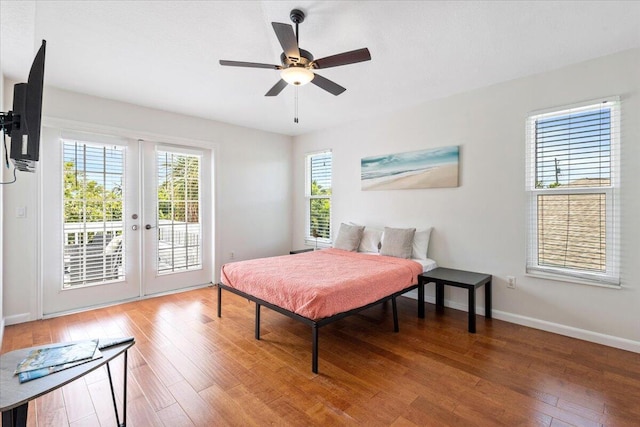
(152, 282)
(59, 124)
(55, 300)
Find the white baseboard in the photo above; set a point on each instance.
(556, 328)
(26, 317)
(569, 331)
(111, 304)
(17, 318)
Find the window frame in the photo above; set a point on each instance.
(172, 269)
(309, 240)
(611, 276)
(66, 284)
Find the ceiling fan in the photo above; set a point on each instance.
(298, 64)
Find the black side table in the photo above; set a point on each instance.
(461, 279)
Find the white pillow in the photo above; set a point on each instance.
(371, 239)
(397, 242)
(349, 237)
(421, 243)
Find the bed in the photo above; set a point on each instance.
(320, 287)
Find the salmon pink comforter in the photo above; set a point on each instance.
(321, 283)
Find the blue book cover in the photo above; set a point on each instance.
(58, 355)
(42, 372)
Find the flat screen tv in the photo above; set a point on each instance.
(23, 123)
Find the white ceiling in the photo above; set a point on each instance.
(164, 54)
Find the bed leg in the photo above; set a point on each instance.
(257, 321)
(421, 300)
(314, 349)
(395, 315)
(219, 301)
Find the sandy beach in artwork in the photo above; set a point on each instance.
(440, 176)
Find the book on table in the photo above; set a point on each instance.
(46, 360)
(57, 357)
(43, 372)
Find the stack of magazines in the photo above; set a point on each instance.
(57, 357)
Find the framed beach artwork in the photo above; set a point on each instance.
(431, 168)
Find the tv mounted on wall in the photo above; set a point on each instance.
(24, 121)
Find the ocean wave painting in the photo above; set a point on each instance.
(431, 168)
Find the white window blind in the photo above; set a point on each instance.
(93, 198)
(572, 180)
(318, 193)
(179, 225)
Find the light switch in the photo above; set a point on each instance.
(21, 212)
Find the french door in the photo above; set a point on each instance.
(177, 230)
(121, 219)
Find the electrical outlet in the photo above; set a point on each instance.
(232, 255)
(511, 282)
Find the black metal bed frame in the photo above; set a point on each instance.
(316, 324)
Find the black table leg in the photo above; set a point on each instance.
(16, 417)
(439, 295)
(472, 310)
(219, 301)
(124, 397)
(487, 300)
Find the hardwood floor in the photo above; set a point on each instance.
(189, 367)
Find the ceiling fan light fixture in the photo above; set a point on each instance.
(297, 66)
(297, 76)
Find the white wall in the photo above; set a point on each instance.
(20, 268)
(252, 187)
(480, 226)
(2, 104)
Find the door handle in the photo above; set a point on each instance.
(149, 226)
(134, 227)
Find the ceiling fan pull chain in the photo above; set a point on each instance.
(295, 105)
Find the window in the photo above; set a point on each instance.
(572, 180)
(179, 225)
(93, 201)
(318, 194)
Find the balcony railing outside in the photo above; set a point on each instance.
(93, 251)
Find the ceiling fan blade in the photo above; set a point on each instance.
(328, 85)
(249, 64)
(287, 40)
(344, 58)
(277, 88)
